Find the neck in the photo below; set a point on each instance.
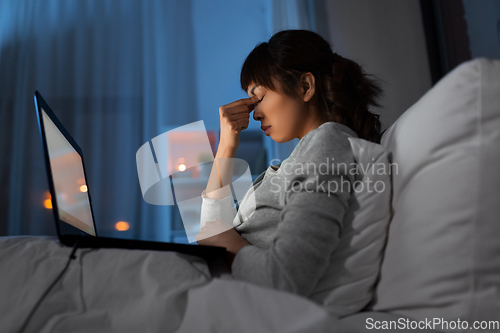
(312, 123)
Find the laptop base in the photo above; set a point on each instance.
(203, 251)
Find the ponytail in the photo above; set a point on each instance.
(347, 96)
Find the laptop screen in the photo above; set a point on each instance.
(72, 199)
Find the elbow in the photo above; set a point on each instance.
(294, 278)
(268, 268)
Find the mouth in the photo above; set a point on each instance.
(266, 129)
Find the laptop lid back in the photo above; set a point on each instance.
(66, 175)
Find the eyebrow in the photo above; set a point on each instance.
(253, 89)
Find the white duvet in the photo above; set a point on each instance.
(112, 290)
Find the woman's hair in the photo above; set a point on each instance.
(344, 92)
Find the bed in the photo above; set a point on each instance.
(440, 269)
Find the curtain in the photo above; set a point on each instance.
(108, 71)
(117, 74)
(282, 15)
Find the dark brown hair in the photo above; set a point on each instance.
(344, 92)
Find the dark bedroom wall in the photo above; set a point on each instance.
(460, 30)
(387, 38)
(450, 30)
(410, 44)
(483, 27)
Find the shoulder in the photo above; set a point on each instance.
(330, 140)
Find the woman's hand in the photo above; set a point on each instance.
(219, 233)
(234, 118)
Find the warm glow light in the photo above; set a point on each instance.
(181, 160)
(81, 181)
(83, 188)
(122, 226)
(47, 203)
(182, 167)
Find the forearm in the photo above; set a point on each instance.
(230, 239)
(221, 174)
(233, 119)
(233, 247)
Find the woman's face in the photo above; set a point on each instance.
(282, 117)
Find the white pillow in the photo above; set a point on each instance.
(442, 258)
(350, 283)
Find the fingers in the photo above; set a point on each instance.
(240, 109)
(244, 105)
(235, 116)
(230, 119)
(238, 125)
(242, 125)
(243, 101)
(238, 116)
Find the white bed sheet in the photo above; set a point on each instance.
(115, 290)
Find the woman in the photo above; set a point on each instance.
(298, 88)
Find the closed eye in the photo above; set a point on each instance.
(258, 102)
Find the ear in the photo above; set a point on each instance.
(308, 83)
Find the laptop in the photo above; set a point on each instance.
(70, 194)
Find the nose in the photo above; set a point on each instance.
(257, 115)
